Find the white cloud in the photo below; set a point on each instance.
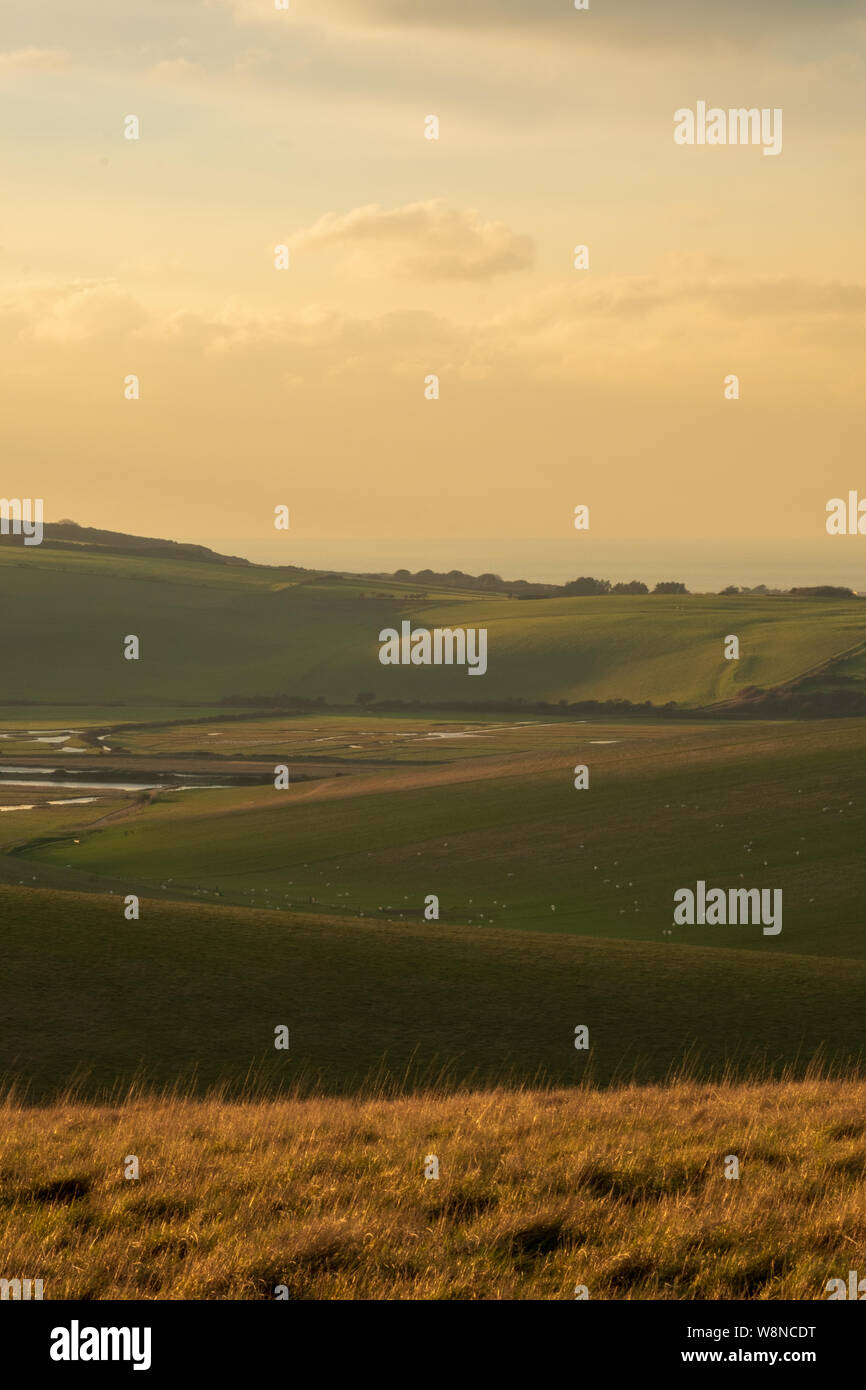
(30, 59)
(585, 330)
(72, 313)
(425, 240)
(175, 70)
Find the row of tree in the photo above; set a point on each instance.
(788, 703)
(587, 586)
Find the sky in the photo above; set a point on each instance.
(411, 257)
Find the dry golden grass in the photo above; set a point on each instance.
(623, 1191)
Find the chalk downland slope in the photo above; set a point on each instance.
(209, 631)
(622, 1192)
(192, 995)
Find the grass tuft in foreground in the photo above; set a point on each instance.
(539, 1191)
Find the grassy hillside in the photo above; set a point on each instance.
(304, 907)
(486, 816)
(208, 631)
(193, 994)
(621, 1192)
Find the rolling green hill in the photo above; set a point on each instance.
(495, 828)
(209, 631)
(305, 905)
(193, 994)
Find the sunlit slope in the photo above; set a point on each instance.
(622, 1188)
(507, 840)
(658, 647)
(207, 632)
(195, 993)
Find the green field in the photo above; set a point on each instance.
(498, 832)
(192, 994)
(305, 905)
(208, 632)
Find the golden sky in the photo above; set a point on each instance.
(411, 257)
